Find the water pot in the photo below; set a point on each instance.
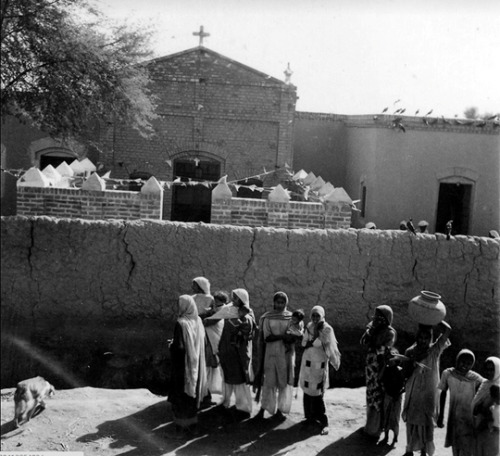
(427, 308)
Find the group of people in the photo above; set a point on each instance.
(212, 347)
(211, 352)
(472, 426)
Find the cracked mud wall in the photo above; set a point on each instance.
(94, 301)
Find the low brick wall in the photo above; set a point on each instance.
(291, 215)
(94, 302)
(88, 204)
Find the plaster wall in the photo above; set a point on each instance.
(75, 291)
(403, 171)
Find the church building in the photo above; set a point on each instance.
(218, 117)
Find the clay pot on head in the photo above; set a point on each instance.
(427, 308)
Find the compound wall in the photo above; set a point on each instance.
(93, 302)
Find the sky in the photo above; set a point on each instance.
(347, 56)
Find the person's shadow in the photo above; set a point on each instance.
(269, 436)
(152, 432)
(356, 444)
(145, 431)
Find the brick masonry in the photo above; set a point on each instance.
(211, 107)
(294, 214)
(91, 205)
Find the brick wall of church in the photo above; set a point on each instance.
(230, 113)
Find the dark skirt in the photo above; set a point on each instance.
(184, 407)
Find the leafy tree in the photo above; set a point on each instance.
(471, 113)
(65, 66)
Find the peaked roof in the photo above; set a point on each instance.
(202, 50)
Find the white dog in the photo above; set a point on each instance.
(29, 398)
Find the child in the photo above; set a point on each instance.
(296, 330)
(420, 399)
(463, 384)
(393, 383)
(493, 425)
(296, 326)
(487, 442)
(243, 325)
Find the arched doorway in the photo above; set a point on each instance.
(192, 202)
(55, 157)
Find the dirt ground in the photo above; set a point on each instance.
(136, 422)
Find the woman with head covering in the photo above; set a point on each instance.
(236, 358)
(463, 384)
(188, 376)
(277, 359)
(487, 443)
(421, 402)
(202, 297)
(320, 349)
(204, 304)
(379, 337)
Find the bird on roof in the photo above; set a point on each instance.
(353, 206)
(409, 225)
(396, 123)
(449, 225)
(430, 112)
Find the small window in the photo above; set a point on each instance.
(363, 201)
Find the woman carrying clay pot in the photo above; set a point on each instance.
(421, 398)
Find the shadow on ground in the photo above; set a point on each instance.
(356, 444)
(152, 432)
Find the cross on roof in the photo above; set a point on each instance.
(201, 34)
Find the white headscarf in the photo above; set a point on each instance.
(243, 295)
(484, 390)
(203, 283)
(193, 335)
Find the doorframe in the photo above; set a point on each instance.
(192, 155)
(463, 176)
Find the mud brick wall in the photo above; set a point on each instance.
(93, 302)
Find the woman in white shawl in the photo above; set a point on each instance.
(321, 348)
(188, 375)
(486, 440)
(202, 297)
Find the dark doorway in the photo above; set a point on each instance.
(454, 204)
(192, 202)
(55, 161)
